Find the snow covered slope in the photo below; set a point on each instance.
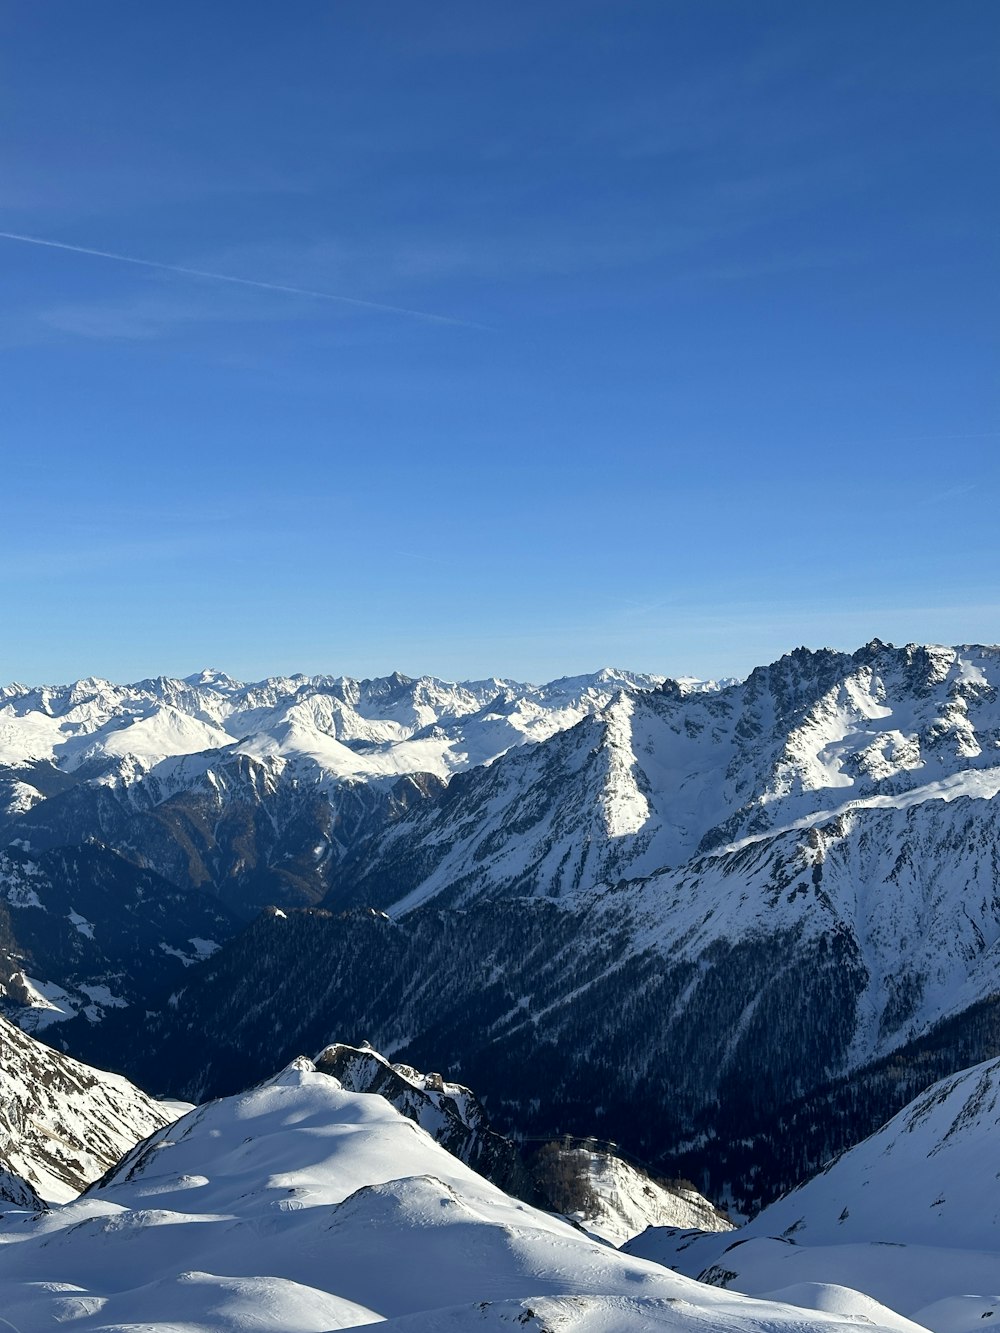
(928, 1177)
(629, 1201)
(910, 1216)
(62, 1123)
(298, 1208)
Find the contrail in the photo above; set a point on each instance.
(241, 282)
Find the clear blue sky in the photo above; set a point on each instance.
(718, 373)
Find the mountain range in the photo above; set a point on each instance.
(731, 925)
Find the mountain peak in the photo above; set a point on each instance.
(214, 679)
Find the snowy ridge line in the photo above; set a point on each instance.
(656, 779)
(327, 1209)
(976, 784)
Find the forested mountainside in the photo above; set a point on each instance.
(83, 931)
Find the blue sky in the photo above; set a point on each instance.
(692, 354)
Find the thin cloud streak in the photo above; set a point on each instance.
(242, 282)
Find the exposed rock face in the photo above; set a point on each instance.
(62, 1124)
(448, 1111)
(15, 1191)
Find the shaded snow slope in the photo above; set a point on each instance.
(931, 1176)
(300, 1207)
(14, 1189)
(62, 1123)
(910, 1216)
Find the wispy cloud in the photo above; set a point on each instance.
(260, 285)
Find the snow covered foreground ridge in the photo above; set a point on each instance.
(617, 1201)
(910, 1216)
(62, 1124)
(299, 1207)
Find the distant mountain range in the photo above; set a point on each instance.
(256, 792)
(731, 925)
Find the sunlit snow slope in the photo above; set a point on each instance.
(629, 1201)
(300, 1207)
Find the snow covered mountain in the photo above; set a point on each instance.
(298, 1207)
(910, 1216)
(62, 1123)
(670, 915)
(347, 728)
(254, 791)
(658, 778)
